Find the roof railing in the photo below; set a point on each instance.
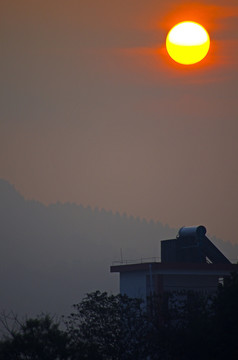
(137, 261)
(152, 260)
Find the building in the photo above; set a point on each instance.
(189, 262)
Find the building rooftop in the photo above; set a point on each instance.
(191, 262)
(160, 266)
(191, 250)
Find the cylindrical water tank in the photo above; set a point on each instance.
(192, 231)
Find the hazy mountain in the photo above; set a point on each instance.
(52, 255)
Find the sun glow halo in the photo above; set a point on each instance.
(187, 42)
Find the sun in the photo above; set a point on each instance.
(188, 42)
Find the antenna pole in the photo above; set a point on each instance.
(121, 256)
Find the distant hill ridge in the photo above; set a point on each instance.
(8, 192)
(52, 255)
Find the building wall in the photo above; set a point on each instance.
(205, 283)
(133, 284)
(142, 280)
(140, 284)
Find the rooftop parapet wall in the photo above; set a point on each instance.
(174, 267)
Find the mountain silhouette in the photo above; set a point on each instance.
(51, 256)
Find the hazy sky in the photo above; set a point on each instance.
(94, 112)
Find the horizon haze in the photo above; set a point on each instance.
(51, 256)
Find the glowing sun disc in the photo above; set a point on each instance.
(188, 42)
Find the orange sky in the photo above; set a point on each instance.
(93, 111)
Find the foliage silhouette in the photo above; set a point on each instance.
(114, 327)
(35, 339)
